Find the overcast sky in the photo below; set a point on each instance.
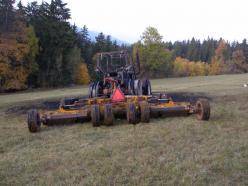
(174, 19)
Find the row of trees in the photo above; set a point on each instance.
(195, 50)
(189, 58)
(40, 48)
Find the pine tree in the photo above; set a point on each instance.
(108, 43)
(244, 47)
(7, 15)
(100, 45)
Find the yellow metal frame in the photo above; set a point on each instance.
(119, 105)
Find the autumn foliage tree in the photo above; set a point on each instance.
(184, 67)
(238, 61)
(82, 76)
(18, 49)
(218, 60)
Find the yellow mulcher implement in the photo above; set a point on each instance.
(119, 94)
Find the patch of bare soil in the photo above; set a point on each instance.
(23, 108)
(187, 96)
(54, 104)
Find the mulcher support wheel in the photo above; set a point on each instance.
(144, 112)
(108, 114)
(33, 121)
(203, 109)
(95, 115)
(132, 115)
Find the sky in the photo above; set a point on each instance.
(174, 19)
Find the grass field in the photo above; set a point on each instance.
(167, 151)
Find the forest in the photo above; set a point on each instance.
(39, 47)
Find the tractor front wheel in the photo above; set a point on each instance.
(203, 109)
(95, 115)
(33, 121)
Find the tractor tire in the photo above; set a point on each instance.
(90, 90)
(95, 115)
(203, 109)
(131, 87)
(138, 87)
(95, 89)
(146, 87)
(33, 121)
(132, 116)
(144, 112)
(108, 114)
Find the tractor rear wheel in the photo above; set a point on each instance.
(131, 87)
(203, 109)
(144, 112)
(138, 87)
(146, 87)
(132, 116)
(33, 121)
(108, 114)
(90, 90)
(95, 90)
(95, 115)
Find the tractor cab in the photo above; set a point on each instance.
(117, 65)
(117, 70)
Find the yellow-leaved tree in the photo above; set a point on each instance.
(184, 67)
(218, 61)
(18, 50)
(82, 76)
(238, 60)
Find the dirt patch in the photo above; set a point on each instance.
(187, 96)
(22, 109)
(54, 104)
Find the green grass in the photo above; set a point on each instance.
(167, 151)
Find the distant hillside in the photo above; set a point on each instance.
(93, 35)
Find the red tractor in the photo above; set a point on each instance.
(117, 70)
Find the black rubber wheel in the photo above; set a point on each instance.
(95, 89)
(95, 115)
(131, 87)
(90, 91)
(146, 87)
(132, 116)
(138, 90)
(108, 114)
(33, 121)
(203, 109)
(144, 112)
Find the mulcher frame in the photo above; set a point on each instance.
(81, 110)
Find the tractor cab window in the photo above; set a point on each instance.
(112, 63)
(117, 63)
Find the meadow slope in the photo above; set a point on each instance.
(166, 151)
